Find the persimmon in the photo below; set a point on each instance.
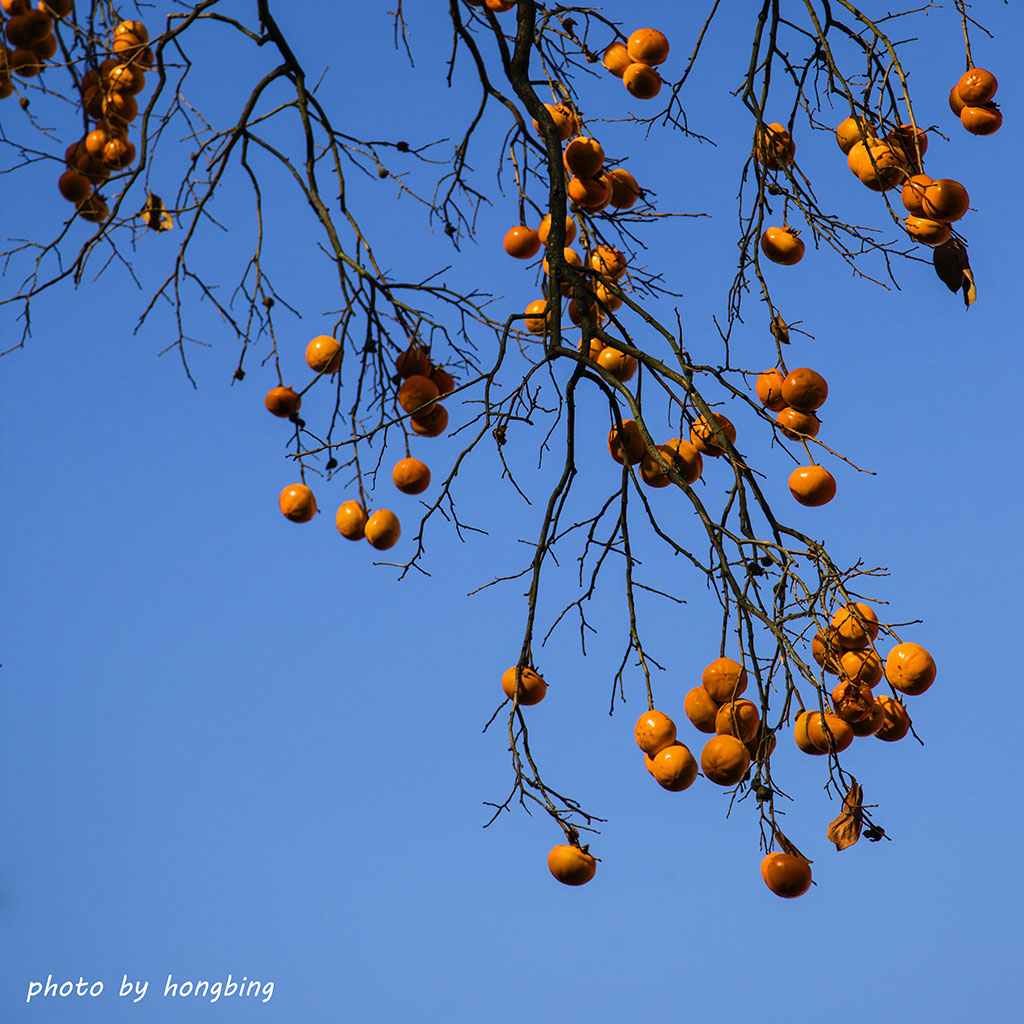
(538, 317)
(583, 157)
(895, 723)
(955, 103)
(283, 401)
(684, 458)
(927, 232)
(704, 438)
(912, 141)
(118, 154)
(119, 108)
(126, 78)
(500, 6)
(852, 701)
(323, 354)
(350, 520)
(762, 746)
(641, 81)
(852, 130)
(674, 767)
(805, 389)
(442, 379)
(648, 46)
(25, 29)
(566, 122)
(74, 186)
(861, 666)
(621, 365)
(625, 189)
(608, 300)
(984, 119)
(411, 476)
(15, 7)
(97, 139)
(769, 389)
(431, 424)
(786, 874)
(626, 442)
(127, 45)
(591, 194)
(417, 394)
(912, 193)
(593, 349)
(812, 486)
(545, 227)
(609, 261)
(651, 473)
(724, 679)
(25, 63)
(383, 529)
(532, 688)
(414, 361)
(774, 147)
(976, 86)
(828, 731)
(879, 165)
(724, 760)
(701, 708)
(826, 650)
(797, 425)
(654, 731)
(855, 625)
(945, 199)
(46, 47)
(871, 723)
(297, 503)
(800, 736)
(782, 245)
(910, 669)
(522, 242)
(739, 718)
(616, 58)
(133, 28)
(93, 209)
(57, 8)
(593, 311)
(571, 256)
(571, 865)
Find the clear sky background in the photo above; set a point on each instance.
(229, 744)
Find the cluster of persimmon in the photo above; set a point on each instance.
(108, 98)
(971, 100)
(847, 649)
(635, 60)
(795, 398)
(30, 33)
(422, 384)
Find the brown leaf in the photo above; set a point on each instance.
(154, 214)
(789, 847)
(780, 329)
(969, 290)
(845, 830)
(954, 268)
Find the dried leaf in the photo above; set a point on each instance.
(954, 268)
(789, 847)
(845, 830)
(154, 214)
(780, 329)
(969, 290)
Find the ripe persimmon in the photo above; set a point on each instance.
(828, 731)
(912, 193)
(724, 679)
(704, 439)
(955, 103)
(871, 723)
(879, 165)
(769, 389)
(566, 122)
(910, 669)
(654, 731)
(411, 476)
(532, 688)
(724, 760)
(786, 874)
(591, 350)
(648, 46)
(606, 298)
(855, 625)
(812, 486)
(912, 141)
(861, 666)
(616, 58)
(133, 28)
(545, 227)
(800, 736)
(781, 245)
(74, 186)
(852, 701)
(93, 209)
(945, 199)
(984, 119)
(774, 147)
(895, 723)
(852, 130)
(625, 189)
(739, 718)
(625, 442)
(538, 317)
(701, 708)
(283, 402)
(350, 520)
(797, 425)
(927, 232)
(522, 242)
(383, 529)
(805, 389)
(591, 194)
(417, 394)
(571, 865)
(976, 86)
(641, 81)
(297, 503)
(323, 354)
(826, 650)
(684, 458)
(674, 767)
(431, 424)
(621, 365)
(583, 157)
(651, 473)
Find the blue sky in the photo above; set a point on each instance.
(234, 745)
